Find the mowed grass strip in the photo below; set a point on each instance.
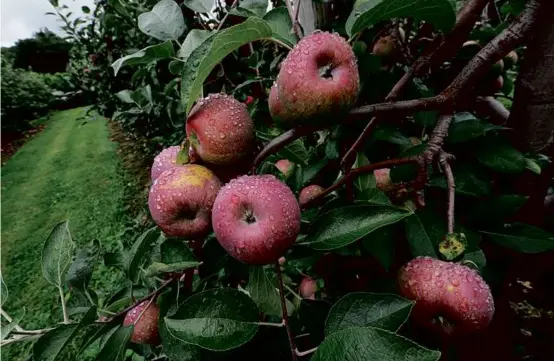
(69, 171)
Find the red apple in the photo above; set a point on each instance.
(450, 297)
(164, 161)
(318, 81)
(146, 328)
(308, 193)
(308, 288)
(220, 130)
(256, 218)
(181, 199)
(383, 180)
(285, 166)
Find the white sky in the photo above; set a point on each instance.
(20, 19)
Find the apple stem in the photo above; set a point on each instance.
(284, 311)
(144, 309)
(304, 353)
(235, 3)
(64, 306)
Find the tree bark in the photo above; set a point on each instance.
(532, 115)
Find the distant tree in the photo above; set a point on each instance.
(45, 52)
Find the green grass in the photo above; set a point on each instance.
(69, 171)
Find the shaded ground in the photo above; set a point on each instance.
(69, 171)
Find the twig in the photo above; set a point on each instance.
(152, 294)
(9, 319)
(64, 306)
(281, 141)
(437, 137)
(359, 171)
(491, 108)
(444, 160)
(304, 353)
(401, 107)
(235, 3)
(295, 23)
(31, 332)
(144, 309)
(271, 324)
(284, 311)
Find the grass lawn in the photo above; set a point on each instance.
(69, 171)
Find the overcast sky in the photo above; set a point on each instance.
(20, 19)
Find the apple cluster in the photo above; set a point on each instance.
(256, 218)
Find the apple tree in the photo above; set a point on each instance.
(346, 181)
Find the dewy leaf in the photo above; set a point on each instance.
(157, 268)
(440, 13)
(523, 238)
(217, 319)
(6, 329)
(200, 6)
(80, 271)
(3, 291)
(57, 254)
(53, 345)
(263, 292)
(258, 7)
(205, 57)
(115, 346)
(194, 38)
(424, 231)
(369, 343)
(139, 251)
(342, 226)
(164, 22)
(175, 251)
(175, 349)
(150, 53)
(362, 309)
(280, 23)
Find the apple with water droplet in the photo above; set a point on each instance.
(220, 130)
(165, 160)
(308, 193)
(256, 219)
(451, 298)
(146, 327)
(318, 81)
(181, 199)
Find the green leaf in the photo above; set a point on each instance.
(193, 40)
(381, 245)
(157, 268)
(54, 344)
(365, 181)
(523, 238)
(500, 156)
(200, 6)
(362, 309)
(533, 166)
(6, 329)
(139, 251)
(263, 292)
(342, 226)
(497, 209)
(217, 319)
(369, 343)
(125, 96)
(3, 291)
(477, 257)
(205, 57)
(85, 9)
(57, 254)
(466, 127)
(424, 231)
(80, 271)
(440, 13)
(295, 152)
(176, 67)
(470, 181)
(164, 22)
(258, 7)
(280, 23)
(175, 349)
(115, 346)
(175, 251)
(150, 53)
